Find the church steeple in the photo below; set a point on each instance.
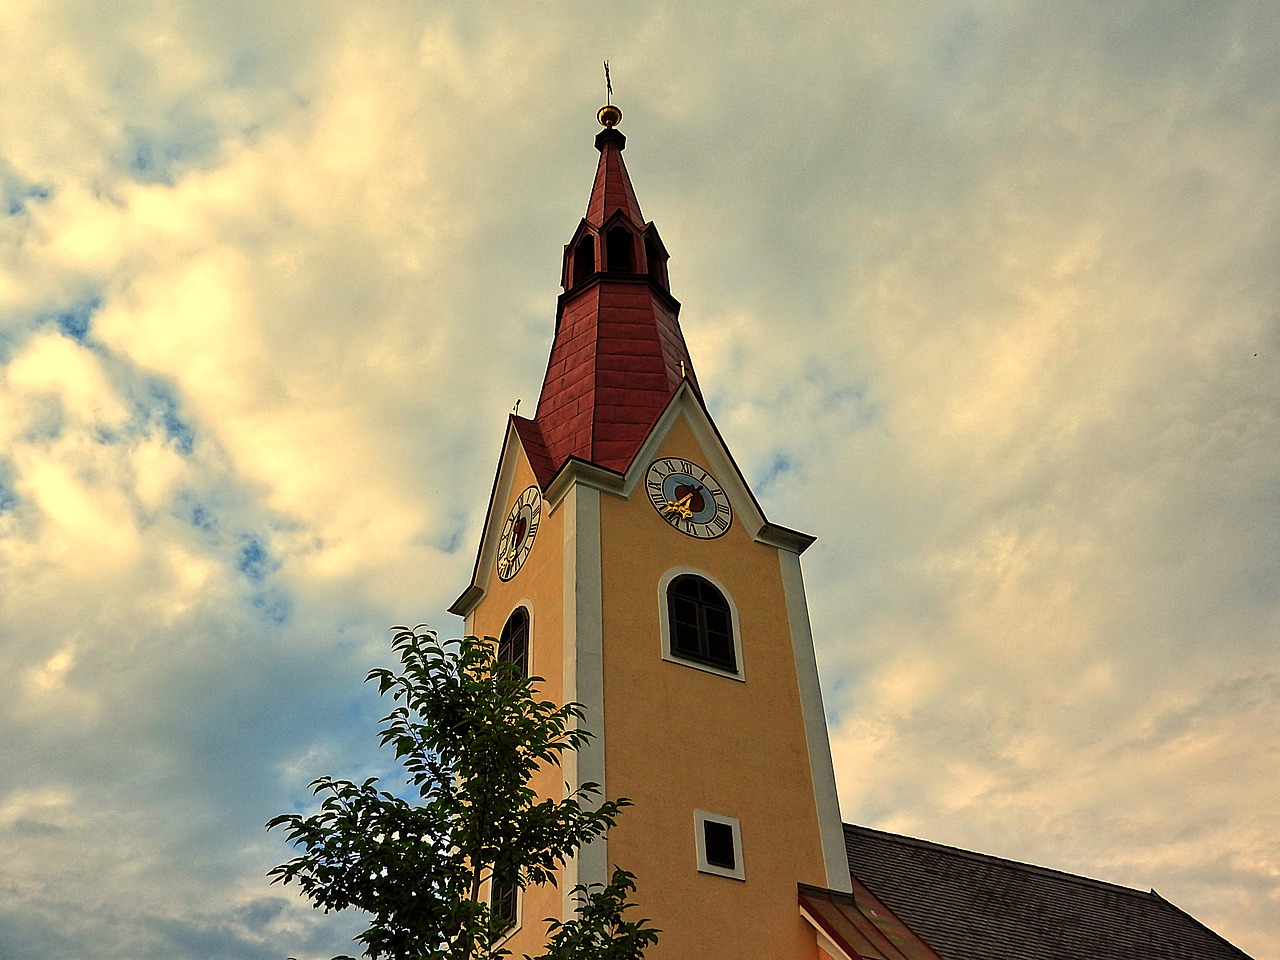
(625, 563)
(618, 355)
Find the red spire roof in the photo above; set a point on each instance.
(618, 353)
(612, 189)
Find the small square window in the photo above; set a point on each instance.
(719, 840)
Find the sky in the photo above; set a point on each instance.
(983, 293)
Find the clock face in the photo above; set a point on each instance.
(688, 498)
(518, 532)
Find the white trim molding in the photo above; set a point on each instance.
(821, 770)
(584, 669)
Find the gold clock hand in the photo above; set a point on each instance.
(508, 557)
(680, 506)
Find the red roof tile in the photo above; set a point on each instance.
(618, 354)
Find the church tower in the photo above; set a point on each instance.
(625, 560)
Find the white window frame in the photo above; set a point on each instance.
(665, 625)
(700, 817)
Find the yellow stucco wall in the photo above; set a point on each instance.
(680, 739)
(539, 583)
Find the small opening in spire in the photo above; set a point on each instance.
(654, 261)
(584, 259)
(619, 251)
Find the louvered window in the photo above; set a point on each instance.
(502, 901)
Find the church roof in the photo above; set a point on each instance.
(618, 355)
(862, 927)
(970, 906)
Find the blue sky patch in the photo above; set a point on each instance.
(254, 561)
(16, 198)
(202, 518)
(47, 421)
(781, 464)
(177, 430)
(192, 938)
(959, 48)
(74, 321)
(451, 539)
(150, 162)
(258, 913)
(274, 606)
(8, 499)
(162, 409)
(188, 508)
(155, 158)
(16, 193)
(853, 403)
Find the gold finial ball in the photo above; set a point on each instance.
(609, 115)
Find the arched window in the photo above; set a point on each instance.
(701, 623)
(620, 250)
(584, 259)
(513, 645)
(653, 257)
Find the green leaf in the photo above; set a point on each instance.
(470, 733)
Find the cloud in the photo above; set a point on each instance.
(981, 294)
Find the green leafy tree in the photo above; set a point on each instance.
(470, 733)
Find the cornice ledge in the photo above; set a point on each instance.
(784, 538)
(603, 276)
(577, 470)
(467, 601)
